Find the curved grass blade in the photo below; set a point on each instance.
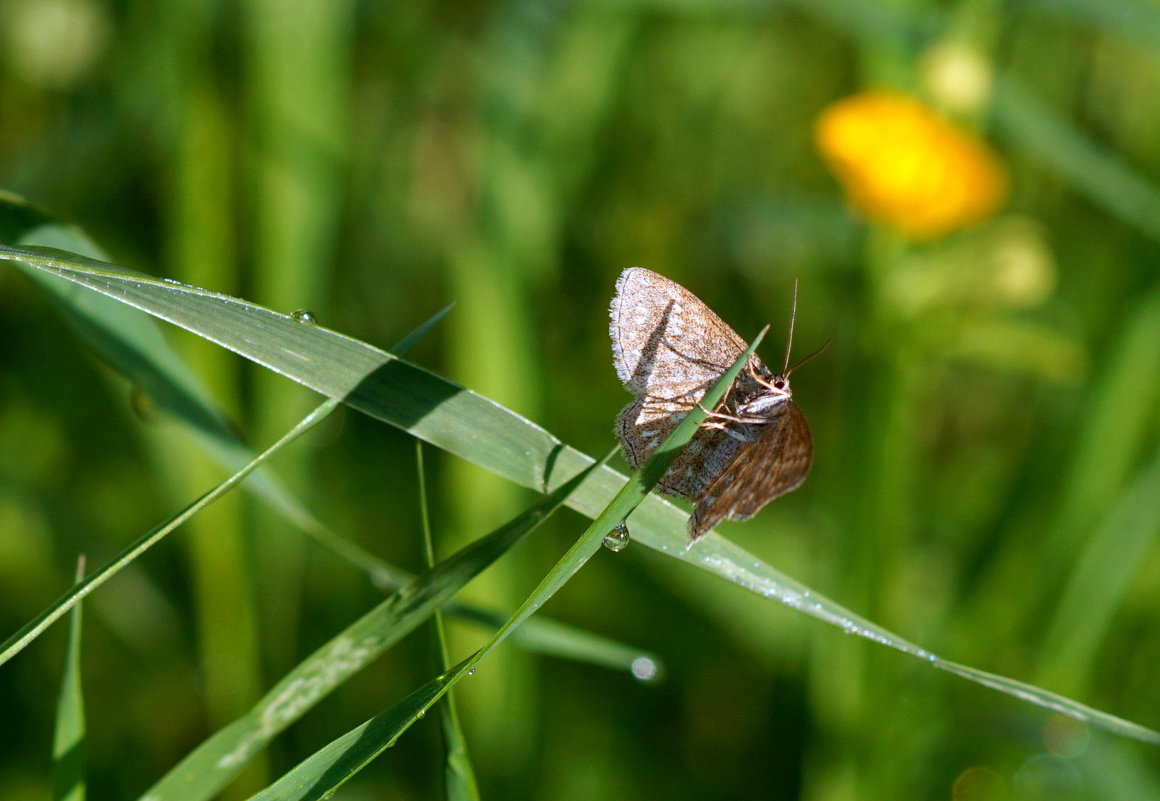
(454, 419)
(68, 741)
(210, 766)
(326, 770)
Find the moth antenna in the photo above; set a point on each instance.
(800, 362)
(789, 341)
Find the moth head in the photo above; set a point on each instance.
(778, 388)
(774, 392)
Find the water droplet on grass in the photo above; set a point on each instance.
(617, 539)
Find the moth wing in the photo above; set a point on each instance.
(669, 348)
(694, 468)
(775, 464)
(666, 343)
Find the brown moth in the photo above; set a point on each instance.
(669, 348)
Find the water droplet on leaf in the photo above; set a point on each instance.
(617, 539)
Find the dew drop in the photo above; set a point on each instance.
(617, 539)
(304, 316)
(471, 672)
(422, 713)
(645, 669)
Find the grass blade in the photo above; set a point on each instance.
(458, 772)
(68, 742)
(1049, 700)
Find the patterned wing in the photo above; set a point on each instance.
(691, 472)
(775, 464)
(666, 343)
(669, 348)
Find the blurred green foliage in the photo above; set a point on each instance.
(986, 479)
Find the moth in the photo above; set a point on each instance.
(669, 348)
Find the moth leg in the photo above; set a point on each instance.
(722, 422)
(716, 420)
(720, 418)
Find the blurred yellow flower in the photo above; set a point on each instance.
(902, 165)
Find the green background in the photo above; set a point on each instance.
(987, 478)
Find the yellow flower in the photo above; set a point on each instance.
(902, 165)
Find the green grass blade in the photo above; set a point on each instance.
(458, 772)
(447, 416)
(202, 773)
(324, 771)
(409, 341)
(31, 630)
(1052, 701)
(68, 742)
(552, 638)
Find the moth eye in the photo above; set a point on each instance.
(779, 384)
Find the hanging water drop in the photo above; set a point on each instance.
(304, 316)
(617, 539)
(471, 672)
